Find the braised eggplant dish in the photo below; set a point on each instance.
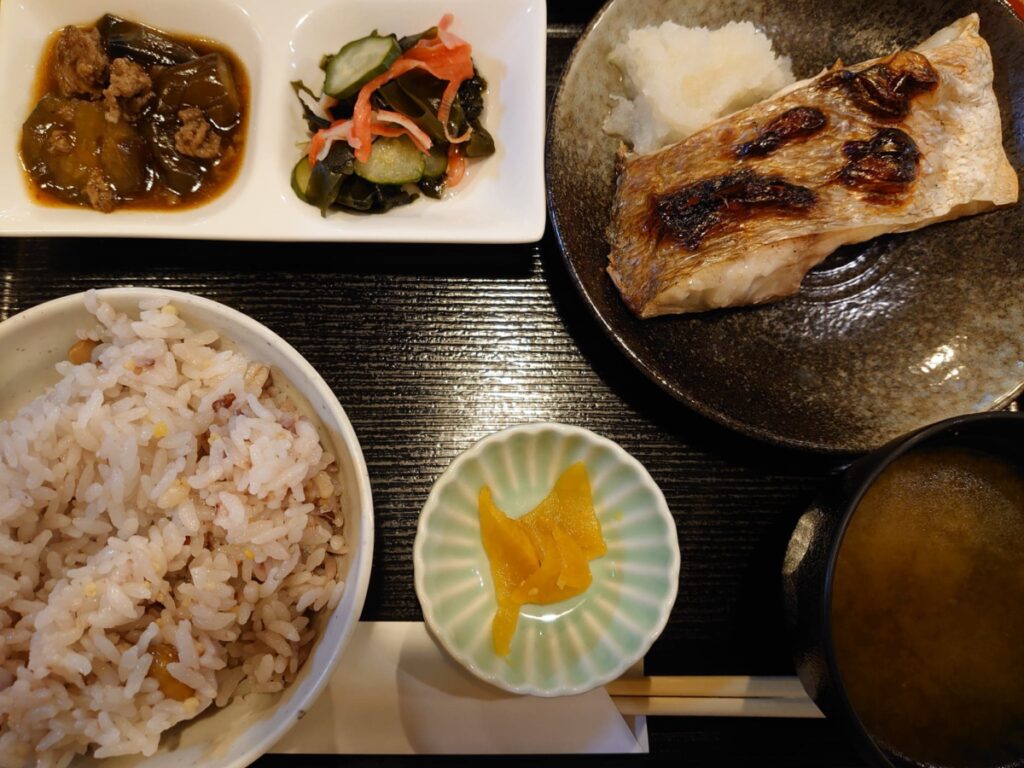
(130, 116)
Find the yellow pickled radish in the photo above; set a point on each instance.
(570, 507)
(512, 554)
(574, 570)
(542, 557)
(512, 558)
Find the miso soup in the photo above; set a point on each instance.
(928, 610)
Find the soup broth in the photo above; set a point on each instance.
(928, 610)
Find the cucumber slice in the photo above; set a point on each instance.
(358, 63)
(392, 161)
(301, 174)
(436, 163)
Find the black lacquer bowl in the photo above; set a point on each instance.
(809, 566)
(885, 336)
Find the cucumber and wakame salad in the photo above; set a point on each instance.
(392, 90)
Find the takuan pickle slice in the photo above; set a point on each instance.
(542, 557)
(513, 558)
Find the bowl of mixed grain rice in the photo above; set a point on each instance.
(186, 531)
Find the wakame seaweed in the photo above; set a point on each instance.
(406, 105)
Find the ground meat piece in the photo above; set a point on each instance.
(60, 141)
(129, 92)
(80, 65)
(196, 137)
(100, 192)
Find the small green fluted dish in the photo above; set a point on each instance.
(567, 647)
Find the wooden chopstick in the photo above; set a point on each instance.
(721, 696)
(740, 687)
(713, 706)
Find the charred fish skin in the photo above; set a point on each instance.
(904, 141)
(695, 211)
(796, 123)
(885, 90)
(885, 165)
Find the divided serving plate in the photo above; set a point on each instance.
(501, 201)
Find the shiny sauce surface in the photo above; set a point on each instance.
(928, 610)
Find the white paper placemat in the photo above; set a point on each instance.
(396, 692)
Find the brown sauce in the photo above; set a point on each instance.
(928, 610)
(158, 196)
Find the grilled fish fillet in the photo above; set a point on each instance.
(739, 212)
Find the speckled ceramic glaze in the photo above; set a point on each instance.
(885, 336)
(571, 646)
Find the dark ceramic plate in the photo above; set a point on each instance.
(884, 337)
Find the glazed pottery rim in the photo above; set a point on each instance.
(889, 453)
(667, 602)
(678, 393)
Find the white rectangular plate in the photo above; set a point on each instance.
(500, 201)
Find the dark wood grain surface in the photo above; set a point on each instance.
(430, 348)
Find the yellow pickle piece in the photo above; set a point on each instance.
(544, 556)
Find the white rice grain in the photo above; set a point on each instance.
(147, 535)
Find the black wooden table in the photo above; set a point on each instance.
(429, 348)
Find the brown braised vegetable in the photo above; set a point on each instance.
(207, 83)
(142, 44)
(182, 174)
(130, 115)
(70, 148)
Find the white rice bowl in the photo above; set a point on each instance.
(221, 513)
